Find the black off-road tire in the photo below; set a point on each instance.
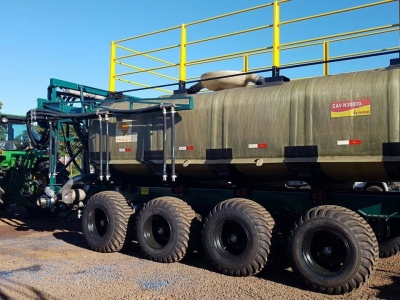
(389, 247)
(164, 228)
(237, 237)
(333, 249)
(105, 221)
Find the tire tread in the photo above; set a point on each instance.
(264, 223)
(121, 211)
(185, 218)
(363, 232)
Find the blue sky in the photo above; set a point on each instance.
(70, 40)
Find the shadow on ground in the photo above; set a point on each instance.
(390, 291)
(20, 220)
(276, 271)
(10, 289)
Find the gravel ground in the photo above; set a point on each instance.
(49, 259)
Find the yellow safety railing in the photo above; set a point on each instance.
(158, 61)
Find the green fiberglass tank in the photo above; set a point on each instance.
(341, 127)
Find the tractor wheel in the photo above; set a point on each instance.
(164, 228)
(237, 237)
(389, 247)
(333, 249)
(105, 221)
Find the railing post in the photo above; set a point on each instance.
(276, 40)
(245, 63)
(182, 61)
(325, 66)
(111, 82)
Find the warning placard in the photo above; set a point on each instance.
(123, 132)
(351, 108)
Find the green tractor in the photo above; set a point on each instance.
(23, 169)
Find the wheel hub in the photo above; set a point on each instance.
(157, 231)
(233, 238)
(98, 222)
(328, 251)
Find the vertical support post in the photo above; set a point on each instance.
(164, 111)
(325, 46)
(182, 59)
(51, 157)
(245, 63)
(85, 123)
(107, 149)
(101, 147)
(55, 150)
(173, 175)
(276, 40)
(111, 85)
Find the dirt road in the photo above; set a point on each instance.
(49, 259)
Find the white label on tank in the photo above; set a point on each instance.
(258, 146)
(186, 148)
(123, 131)
(350, 142)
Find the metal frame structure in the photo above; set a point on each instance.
(70, 106)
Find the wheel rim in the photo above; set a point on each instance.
(231, 238)
(326, 251)
(157, 231)
(98, 222)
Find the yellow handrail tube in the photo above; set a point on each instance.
(147, 34)
(336, 12)
(229, 34)
(232, 13)
(182, 56)
(245, 63)
(325, 46)
(326, 37)
(145, 55)
(148, 51)
(276, 36)
(111, 80)
(150, 72)
(228, 56)
(145, 70)
(286, 47)
(142, 85)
